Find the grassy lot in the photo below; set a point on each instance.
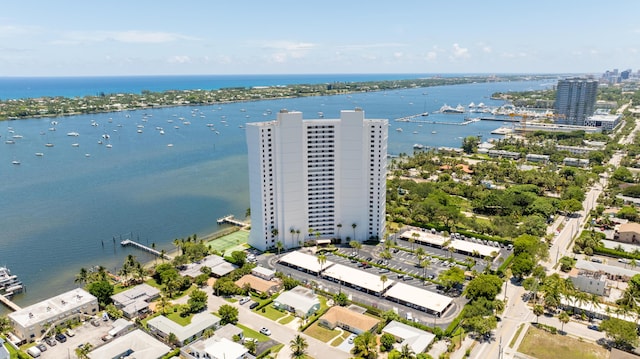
(287, 320)
(340, 339)
(542, 345)
(175, 316)
(321, 333)
(515, 336)
(271, 313)
(250, 333)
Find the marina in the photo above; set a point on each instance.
(9, 283)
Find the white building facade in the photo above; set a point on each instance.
(320, 178)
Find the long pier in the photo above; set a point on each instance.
(231, 220)
(6, 301)
(412, 119)
(128, 242)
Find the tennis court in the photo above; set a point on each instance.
(236, 241)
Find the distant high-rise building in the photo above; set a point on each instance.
(575, 100)
(316, 179)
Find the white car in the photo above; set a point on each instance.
(244, 300)
(265, 331)
(351, 338)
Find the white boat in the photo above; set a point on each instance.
(109, 145)
(48, 144)
(39, 154)
(415, 132)
(433, 132)
(17, 136)
(448, 109)
(73, 134)
(139, 131)
(75, 144)
(418, 146)
(9, 142)
(87, 155)
(162, 132)
(399, 129)
(15, 162)
(170, 145)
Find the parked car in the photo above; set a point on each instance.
(61, 338)
(52, 342)
(95, 323)
(265, 331)
(70, 333)
(253, 305)
(244, 300)
(594, 327)
(351, 338)
(41, 347)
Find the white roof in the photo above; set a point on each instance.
(199, 322)
(300, 298)
(266, 272)
(305, 261)
(426, 237)
(469, 247)
(356, 277)
(218, 348)
(119, 325)
(605, 268)
(141, 344)
(417, 339)
(421, 297)
(217, 264)
(53, 308)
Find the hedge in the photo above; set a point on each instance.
(610, 252)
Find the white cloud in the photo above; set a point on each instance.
(432, 55)
(179, 59)
(398, 55)
(288, 45)
(131, 36)
(459, 52)
(372, 46)
(11, 30)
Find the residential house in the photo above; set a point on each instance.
(590, 282)
(300, 300)
(218, 266)
(348, 319)
(260, 285)
(264, 273)
(215, 347)
(136, 344)
(629, 233)
(418, 340)
(135, 301)
(163, 327)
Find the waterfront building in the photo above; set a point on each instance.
(606, 122)
(575, 100)
(320, 178)
(29, 323)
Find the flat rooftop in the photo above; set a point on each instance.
(53, 308)
(357, 277)
(136, 344)
(305, 261)
(421, 297)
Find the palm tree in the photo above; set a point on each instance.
(538, 310)
(274, 233)
(208, 333)
(83, 350)
(364, 346)
(424, 264)
(339, 225)
(322, 259)
(163, 254)
(406, 352)
(564, 319)
(383, 279)
(353, 225)
(163, 304)
(413, 238)
(298, 347)
(293, 232)
(279, 246)
(419, 254)
(82, 276)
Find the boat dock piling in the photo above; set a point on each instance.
(6, 301)
(231, 220)
(128, 242)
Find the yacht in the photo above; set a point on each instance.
(75, 144)
(39, 154)
(48, 144)
(15, 162)
(399, 129)
(73, 134)
(9, 284)
(448, 109)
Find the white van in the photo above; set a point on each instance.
(34, 352)
(409, 316)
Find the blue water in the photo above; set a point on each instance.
(31, 87)
(66, 210)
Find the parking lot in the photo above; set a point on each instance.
(85, 333)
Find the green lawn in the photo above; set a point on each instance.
(340, 339)
(321, 333)
(271, 313)
(287, 320)
(543, 345)
(250, 333)
(175, 316)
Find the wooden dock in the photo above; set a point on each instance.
(231, 220)
(6, 301)
(128, 242)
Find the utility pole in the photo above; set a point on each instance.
(500, 348)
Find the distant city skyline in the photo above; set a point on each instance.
(42, 38)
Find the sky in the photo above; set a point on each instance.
(208, 37)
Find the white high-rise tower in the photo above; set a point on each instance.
(320, 178)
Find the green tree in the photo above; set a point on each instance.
(386, 342)
(82, 276)
(197, 301)
(83, 350)
(624, 334)
(522, 265)
(406, 352)
(298, 347)
(341, 299)
(470, 144)
(484, 286)
(279, 246)
(228, 314)
(364, 346)
(102, 290)
(353, 225)
(538, 310)
(564, 318)
(452, 277)
(322, 259)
